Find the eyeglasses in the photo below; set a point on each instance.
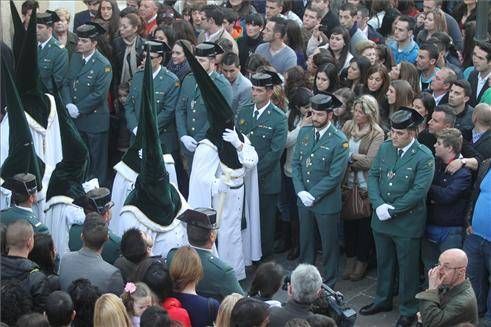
(447, 267)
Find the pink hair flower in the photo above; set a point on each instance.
(130, 288)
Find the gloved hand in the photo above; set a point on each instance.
(72, 110)
(306, 198)
(135, 130)
(231, 136)
(189, 142)
(218, 186)
(383, 211)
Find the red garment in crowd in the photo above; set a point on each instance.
(176, 311)
(150, 27)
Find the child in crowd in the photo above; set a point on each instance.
(136, 298)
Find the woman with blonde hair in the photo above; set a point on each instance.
(109, 311)
(435, 21)
(365, 136)
(186, 271)
(225, 310)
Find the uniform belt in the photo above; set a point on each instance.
(236, 187)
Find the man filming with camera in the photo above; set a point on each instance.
(303, 290)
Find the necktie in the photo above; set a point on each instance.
(400, 152)
(317, 136)
(83, 62)
(40, 47)
(256, 114)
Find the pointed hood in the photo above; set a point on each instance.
(22, 157)
(71, 171)
(20, 32)
(220, 115)
(153, 194)
(28, 80)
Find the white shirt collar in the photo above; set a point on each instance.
(438, 98)
(213, 36)
(156, 72)
(481, 82)
(200, 248)
(404, 149)
(365, 30)
(88, 57)
(261, 110)
(24, 208)
(44, 43)
(323, 130)
(152, 19)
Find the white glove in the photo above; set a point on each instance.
(72, 110)
(306, 198)
(218, 186)
(135, 130)
(189, 142)
(231, 136)
(383, 211)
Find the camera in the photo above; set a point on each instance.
(330, 303)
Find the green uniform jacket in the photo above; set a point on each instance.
(191, 114)
(110, 252)
(166, 87)
(268, 136)
(319, 168)
(218, 278)
(52, 63)
(403, 184)
(9, 215)
(87, 86)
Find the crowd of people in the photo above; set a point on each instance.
(157, 154)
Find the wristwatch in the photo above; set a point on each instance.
(464, 162)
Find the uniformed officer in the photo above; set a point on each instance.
(166, 90)
(96, 200)
(218, 277)
(85, 91)
(191, 117)
(266, 127)
(398, 181)
(318, 166)
(24, 189)
(52, 58)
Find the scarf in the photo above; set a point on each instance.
(357, 133)
(129, 60)
(181, 70)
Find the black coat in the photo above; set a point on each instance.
(119, 48)
(483, 145)
(30, 276)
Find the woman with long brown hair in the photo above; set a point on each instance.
(377, 85)
(399, 94)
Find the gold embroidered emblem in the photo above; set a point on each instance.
(345, 145)
(242, 121)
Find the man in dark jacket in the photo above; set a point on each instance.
(447, 200)
(481, 133)
(20, 241)
(304, 288)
